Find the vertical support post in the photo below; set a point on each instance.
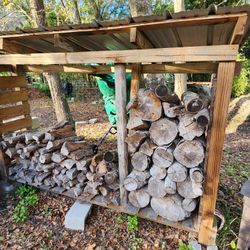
(120, 96)
(135, 80)
(207, 231)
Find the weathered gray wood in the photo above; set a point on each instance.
(170, 185)
(156, 188)
(139, 198)
(172, 110)
(189, 204)
(158, 172)
(147, 147)
(135, 139)
(140, 161)
(136, 180)
(202, 118)
(177, 172)
(163, 157)
(186, 190)
(192, 102)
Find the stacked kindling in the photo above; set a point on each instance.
(166, 143)
(59, 160)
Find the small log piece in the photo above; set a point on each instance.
(135, 139)
(45, 158)
(192, 102)
(111, 156)
(140, 161)
(147, 147)
(139, 198)
(156, 188)
(177, 172)
(170, 186)
(171, 110)
(186, 190)
(163, 157)
(189, 204)
(158, 172)
(136, 180)
(202, 118)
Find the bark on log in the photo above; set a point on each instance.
(59, 133)
(186, 190)
(45, 158)
(101, 168)
(189, 204)
(163, 131)
(139, 198)
(170, 186)
(202, 118)
(80, 154)
(135, 139)
(189, 153)
(156, 188)
(188, 128)
(170, 208)
(158, 172)
(192, 102)
(70, 146)
(53, 145)
(136, 180)
(177, 172)
(149, 104)
(147, 147)
(163, 157)
(135, 121)
(162, 93)
(111, 177)
(140, 161)
(171, 110)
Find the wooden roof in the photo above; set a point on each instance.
(203, 27)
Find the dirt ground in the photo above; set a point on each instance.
(105, 228)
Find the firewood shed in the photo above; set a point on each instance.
(205, 41)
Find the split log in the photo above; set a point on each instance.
(188, 128)
(163, 157)
(202, 118)
(196, 175)
(163, 131)
(11, 152)
(38, 137)
(103, 190)
(189, 153)
(101, 168)
(96, 160)
(186, 190)
(171, 110)
(111, 156)
(177, 172)
(28, 138)
(170, 208)
(161, 91)
(135, 121)
(68, 163)
(140, 161)
(170, 186)
(82, 165)
(81, 177)
(149, 104)
(30, 148)
(48, 167)
(53, 145)
(136, 180)
(70, 146)
(139, 198)
(15, 139)
(19, 146)
(45, 158)
(192, 102)
(135, 139)
(158, 172)
(59, 133)
(111, 177)
(57, 157)
(189, 204)
(147, 147)
(72, 173)
(80, 154)
(77, 191)
(156, 188)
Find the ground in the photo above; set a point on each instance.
(105, 228)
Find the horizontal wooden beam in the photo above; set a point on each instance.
(13, 97)
(14, 111)
(169, 23)
(10, 82)
(185, 54)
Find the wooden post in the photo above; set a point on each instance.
(120, 96)
(223, 86)
(135, 80)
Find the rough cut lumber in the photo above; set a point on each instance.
(177, 172)
(15, 125)
(149, 105)
(136, 180)
(189, 153)
(192, 102)
(13, 97)
(163, 131)
(147, 147)
(158, 172)
(140, 161)
(185, 189)
(156, 188)
(172, 110)
(139, 198)
(169, 207)
(202, 118)
(12, 82)
(135, 139)
(188, 128)
(170, 186)
(163, 157)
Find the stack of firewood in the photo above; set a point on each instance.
(166, 143)
(57, 159)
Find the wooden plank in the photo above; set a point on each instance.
(15, 125)
(135, 80)
(139, 40)
(12, 82)
(120, 96)
(5, 68)
(169, 23)
(12, 47)
(186, 54)
(10, 112)
(239, 30)
(13, 97)
(207, 232)
(244, 239)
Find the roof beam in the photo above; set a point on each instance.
(185, 54)
(11, 47)
(139, 40)
(169, 23)
(239, 30)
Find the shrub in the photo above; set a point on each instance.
(42, 87)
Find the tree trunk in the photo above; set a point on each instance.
(59, 100)
(140, 7)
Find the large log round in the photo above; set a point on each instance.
(156, 188)
(189, 153)
(163, 131)
(140, 161)
(163, 157)
(177, 172)
(169, 207)
(139, 198)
